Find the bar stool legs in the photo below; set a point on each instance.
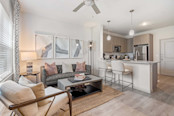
(105, 76)
(121, 81)
(132, 81)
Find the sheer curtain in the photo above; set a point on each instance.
(16, 29)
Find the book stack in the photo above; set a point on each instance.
(79, 77)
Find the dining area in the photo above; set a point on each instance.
(133, 74)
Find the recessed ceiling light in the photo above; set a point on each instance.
(144, 24)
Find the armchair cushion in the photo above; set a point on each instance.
(18, 94)
(59, 102)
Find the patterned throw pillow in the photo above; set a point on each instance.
(51, 69)
(80, 66)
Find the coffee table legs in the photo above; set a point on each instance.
(97, 85)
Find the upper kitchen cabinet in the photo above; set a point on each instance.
(130, 45)
(143, 39)
(107, 45)
(122, 42)
(115, 42)
(146, 39)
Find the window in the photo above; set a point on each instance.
(6, 44)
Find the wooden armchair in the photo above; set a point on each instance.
(59, 99)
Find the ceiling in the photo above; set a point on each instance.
(157, 13)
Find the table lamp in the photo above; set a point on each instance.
(28, 57)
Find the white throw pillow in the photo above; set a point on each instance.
(18, 94)
(66, 68)
(25, 82)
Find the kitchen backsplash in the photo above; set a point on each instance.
(119, 55)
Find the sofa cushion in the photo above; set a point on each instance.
(64, 75)
(77, 72)
(59, 68)
(60, 76)
(17, 94)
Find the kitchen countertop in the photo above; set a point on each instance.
(135, 62)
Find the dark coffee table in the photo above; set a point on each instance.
(91, 86)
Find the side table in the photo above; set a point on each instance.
(35, 73)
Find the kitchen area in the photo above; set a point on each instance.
(140, 47)
(137, 55)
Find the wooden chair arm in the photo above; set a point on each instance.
(15, 106)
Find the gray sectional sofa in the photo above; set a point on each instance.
(52, 80)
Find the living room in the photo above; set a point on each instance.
(86, 58)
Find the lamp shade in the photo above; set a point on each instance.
(28, 56)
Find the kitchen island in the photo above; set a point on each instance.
(144, 74)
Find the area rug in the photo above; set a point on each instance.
(89, 102)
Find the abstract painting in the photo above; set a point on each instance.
(61, 47)
(44, 46)
(76, 48)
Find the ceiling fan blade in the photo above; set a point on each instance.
(79, 6)
(95, 8)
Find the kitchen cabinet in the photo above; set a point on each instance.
(115, 41)
(118, 41)
(142, 39)
(107, 45)
(145, 39)
(130, 45)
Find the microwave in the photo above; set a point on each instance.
(117, 49)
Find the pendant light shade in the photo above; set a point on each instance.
(131, 32)
(108, 37)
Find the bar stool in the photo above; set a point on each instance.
(119, 69)
(107, 69)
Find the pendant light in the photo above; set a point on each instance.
(108, 37)
(131, 32)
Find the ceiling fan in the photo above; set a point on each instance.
(88, 3)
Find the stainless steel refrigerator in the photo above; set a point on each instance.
(141, 52)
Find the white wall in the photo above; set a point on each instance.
(158, 34)
(31, 24)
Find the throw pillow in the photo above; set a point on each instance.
(80, 66)
(39, 92)
(18, 94)
(25, 82)
(51, 69)
(66, 68)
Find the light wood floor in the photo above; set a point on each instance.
(134, 103)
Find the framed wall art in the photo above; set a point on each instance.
(76, 48)
(44, 46)
(61, 47)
